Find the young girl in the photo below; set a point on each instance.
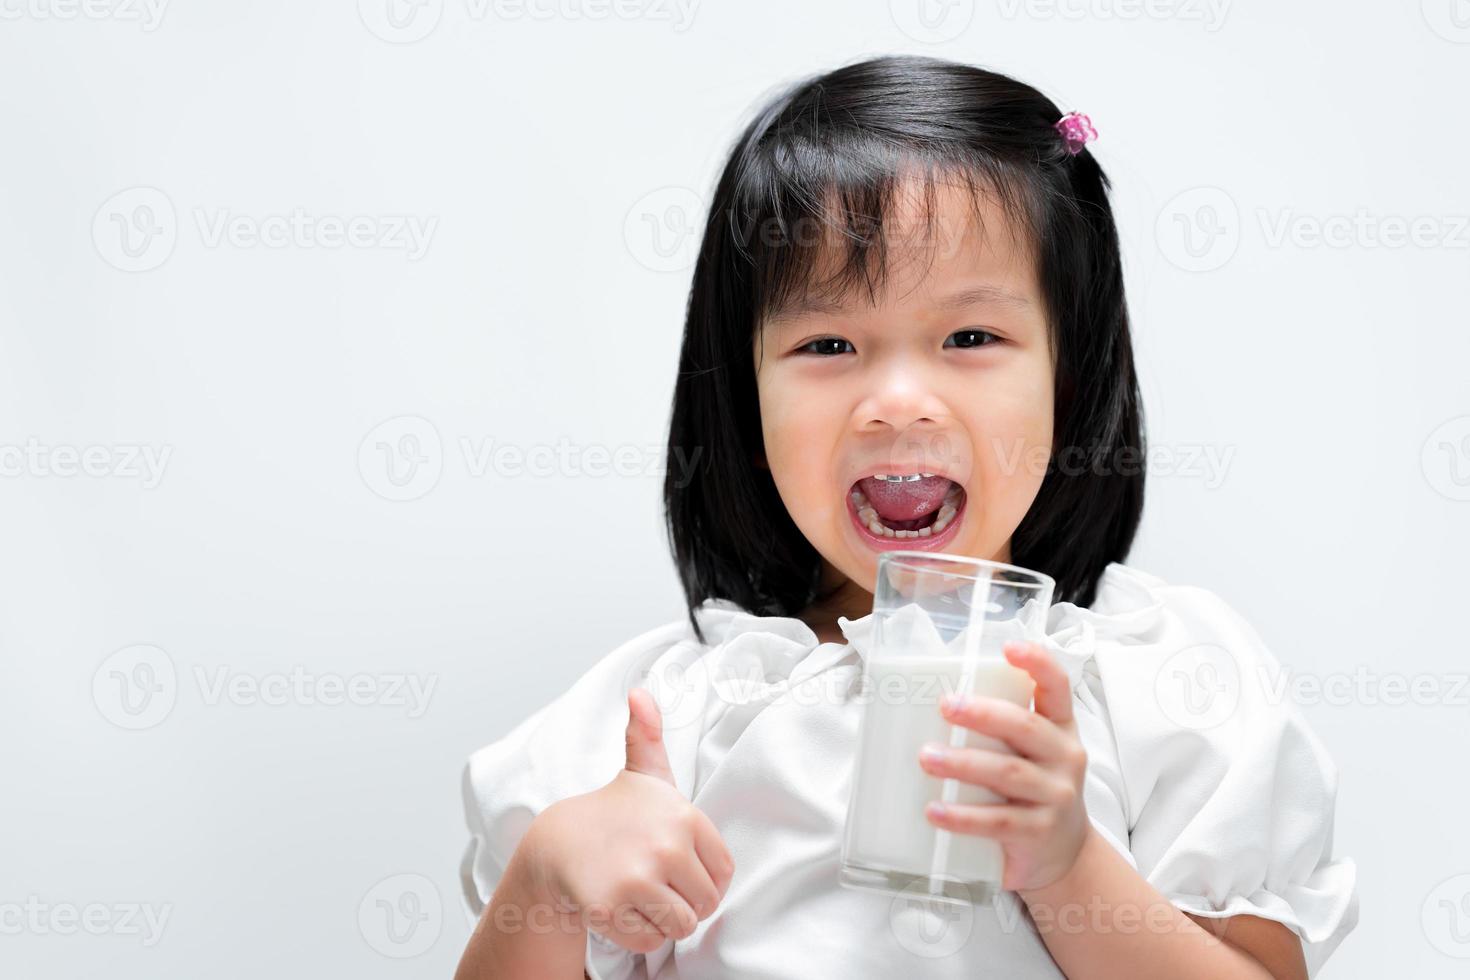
(907, 330)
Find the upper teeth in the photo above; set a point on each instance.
(910, 478)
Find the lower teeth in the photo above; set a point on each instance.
(870, 519)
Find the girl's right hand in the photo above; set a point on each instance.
(644, 863)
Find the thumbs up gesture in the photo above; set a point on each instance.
(645, 738)
(642, 863)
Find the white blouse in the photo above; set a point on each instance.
(1213, 788)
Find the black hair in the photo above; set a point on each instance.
(840, 141)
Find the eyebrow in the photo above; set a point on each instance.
(959, 300)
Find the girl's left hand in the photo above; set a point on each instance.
(1043, 822)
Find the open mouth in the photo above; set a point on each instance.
(906, 507)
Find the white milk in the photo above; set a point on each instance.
(889, 842)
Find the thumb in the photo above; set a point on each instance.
(645, 739)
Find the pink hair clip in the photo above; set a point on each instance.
(1076, 130)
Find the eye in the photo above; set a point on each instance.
(831, 346)
(974, 338)
(826, 351)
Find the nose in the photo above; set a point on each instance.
(901, 398)
(905, 410)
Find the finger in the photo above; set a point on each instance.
(1027, 732)
(627, 926)
(1001, 821)
(644, 737)
(1009, 775)
(669, 913)
(695, 886)
(1053, 686)
(713, 854)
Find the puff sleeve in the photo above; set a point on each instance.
(1229, 794)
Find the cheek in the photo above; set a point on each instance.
(1013, 437)
(800, 434)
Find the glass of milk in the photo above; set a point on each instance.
(940, 622)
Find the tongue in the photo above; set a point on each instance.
(905, 501)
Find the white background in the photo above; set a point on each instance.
(540, 152)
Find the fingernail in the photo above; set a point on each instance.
(936, 809)
(952, 702)
(931, 753)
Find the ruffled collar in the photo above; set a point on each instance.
(1127, 604)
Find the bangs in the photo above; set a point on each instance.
(820, 224)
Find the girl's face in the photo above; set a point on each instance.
(950, 374)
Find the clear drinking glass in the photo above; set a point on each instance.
(940, 622)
